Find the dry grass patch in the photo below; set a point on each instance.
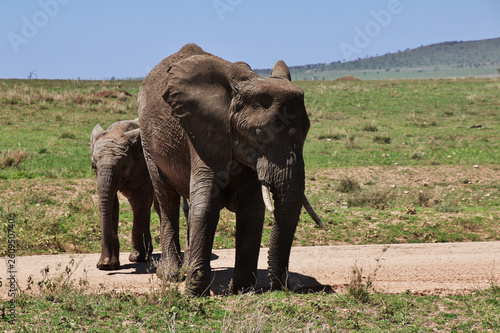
(12, 158)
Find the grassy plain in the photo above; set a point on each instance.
(442, 60)
(387, 162)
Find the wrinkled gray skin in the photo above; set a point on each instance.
(215, 131)
(118, 161)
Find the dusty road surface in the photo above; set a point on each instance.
(445, 268)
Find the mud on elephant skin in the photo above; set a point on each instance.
(118, 160)
(219, 134)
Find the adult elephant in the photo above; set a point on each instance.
(218, 133)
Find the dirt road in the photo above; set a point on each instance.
(445, 268)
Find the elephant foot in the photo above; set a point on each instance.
(136, 256)
(168, 273)
(198, 283)
(243, 282)
(202, 289)
(108, 263)
(239, 288)
(278, 284)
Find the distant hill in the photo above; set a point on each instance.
(448, 59)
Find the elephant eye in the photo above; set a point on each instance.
(265, 100)
(277, 125)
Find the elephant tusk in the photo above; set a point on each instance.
(266, 195)
(311, 211)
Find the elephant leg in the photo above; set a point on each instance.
(110, 254)
(169, 204)
(203, 217)
(249, 223)
(140, 200)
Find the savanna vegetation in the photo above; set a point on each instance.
(448, 59)
(386, 162)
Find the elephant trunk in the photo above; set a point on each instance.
(108, 216)
(286, 180)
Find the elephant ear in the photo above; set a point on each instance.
(97, 132)
(133, 136)
(134, 140)
(199, 91)
(281, 71)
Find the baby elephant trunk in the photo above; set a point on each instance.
(108, 216)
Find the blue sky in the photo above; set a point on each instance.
(69, 39)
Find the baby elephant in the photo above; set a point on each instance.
(119, 163)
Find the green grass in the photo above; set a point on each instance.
(57, 304)
(386, 162)
(51, 121)
(432, 117)
(417, 125)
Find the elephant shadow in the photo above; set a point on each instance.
(298, 283)
(147, 267)
(221, 277)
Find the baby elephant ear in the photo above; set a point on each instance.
(96, 133)
(134, 142)
(199, 92)
(133, 135)
(281, 71)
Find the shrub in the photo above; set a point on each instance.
(358, 289)
(67, 135)
(12, 158)
(378, 198)
(348, 185)
(370, 128)
(329, 136)
(349, 141)
(382, 139)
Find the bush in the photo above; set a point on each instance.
(378, 198)
(382, 139)
(348, 185)
(12, 158)
(67, 135)
(370, 128)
